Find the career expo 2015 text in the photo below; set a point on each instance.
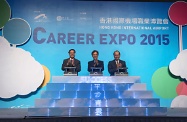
(40, 36)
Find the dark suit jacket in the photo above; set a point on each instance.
(76, 62)
(91, 64)
(112, 68)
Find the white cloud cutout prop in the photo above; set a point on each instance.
(178, 66)
(179, 101)
(20, 73)
(4, 43)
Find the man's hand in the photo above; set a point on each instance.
(72, 61)
(119, 65)
(68, 62)
(96, 62)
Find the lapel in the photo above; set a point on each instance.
(75, 61)
(114, 64)
(92, 62)
(120, 61)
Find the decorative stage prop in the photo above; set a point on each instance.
(97, 96)
(20, 73)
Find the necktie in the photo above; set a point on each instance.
(117, 62)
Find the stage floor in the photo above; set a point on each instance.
(98, 119)
(23, 113)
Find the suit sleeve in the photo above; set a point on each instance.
(89, 66)
(124, 64)
(78, 66)
(111, 69)
(102, 65)
(64, 65)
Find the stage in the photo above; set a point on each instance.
(21, 114)
(95, 99)
(98, 119)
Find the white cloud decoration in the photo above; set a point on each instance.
(178, 66)
(179, 101)
(4, 43)
(20, 73)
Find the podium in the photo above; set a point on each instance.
(121, 72)
(96, 71)
(70, 71)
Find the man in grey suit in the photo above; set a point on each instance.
(71, 62)
(116, 63)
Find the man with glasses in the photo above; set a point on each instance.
(71, 62)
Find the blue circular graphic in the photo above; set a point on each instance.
(17, 31)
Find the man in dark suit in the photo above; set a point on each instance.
(95, 62)
(116, 63)
(71, 62)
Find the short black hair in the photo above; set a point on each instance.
(116, 51)
(95, 51)
(71, 50)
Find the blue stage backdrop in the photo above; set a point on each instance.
(141, 31)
